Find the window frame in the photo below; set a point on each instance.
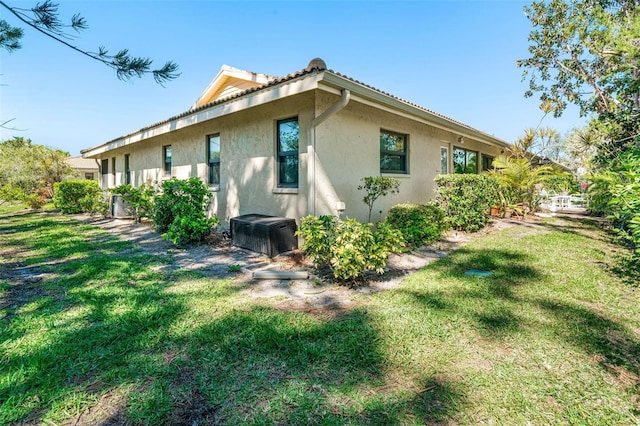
(404, 154)
(467, 151)
(113, 170)
(167, 160)
(281, 156)
(213, 162)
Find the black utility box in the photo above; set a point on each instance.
(265, 234)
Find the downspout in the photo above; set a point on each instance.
(311, 148)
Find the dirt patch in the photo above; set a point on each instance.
(108, 411)
(217, 258)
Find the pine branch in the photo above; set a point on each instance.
(44, 18)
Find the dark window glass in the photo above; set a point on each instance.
(288, 141)
(167, 160)
(465, 161)
(104, 170)
(487, 163)
(393, 152)
(213, 158)
(127, 170)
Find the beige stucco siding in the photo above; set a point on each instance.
(348, 149)
(248, 168)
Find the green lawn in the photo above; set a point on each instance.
(11, 207)
(91, 332)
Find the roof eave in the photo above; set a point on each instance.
(365, 94)
(260, 96)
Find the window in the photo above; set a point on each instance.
(166, 158)
(393, 152)
(288, 139)
(487, 163)
(465, 161)
(88, 176)
(444, 160)
(104, 170)
(113, 170)
(213, 158)
(127, 170)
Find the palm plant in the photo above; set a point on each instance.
(518, 181)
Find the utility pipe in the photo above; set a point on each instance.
(311, 147)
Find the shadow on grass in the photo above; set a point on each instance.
(435, 402)
(494, 308)
(490, 302)
(612, 343)
(108, 328)
(624, 264)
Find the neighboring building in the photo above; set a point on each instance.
(297, 145)
(84, 168)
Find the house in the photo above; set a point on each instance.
(84, 168)
(297, 145)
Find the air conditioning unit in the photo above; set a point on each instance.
(119, 208)
(269, 235)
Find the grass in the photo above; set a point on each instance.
(11, 207)
(93, 331)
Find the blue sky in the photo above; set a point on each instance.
(457, 58)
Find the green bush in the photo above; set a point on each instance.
(139, 200)
(419, 223)
(79, 196)
(467, 199)
(180, 211)
(616, 194)
(36, 200)
(349, 248)
(560, 183)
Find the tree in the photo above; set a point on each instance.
(584, 52)
(27, 169)
(376, 187)
(44, 17)
(587, 53)
(538, 143)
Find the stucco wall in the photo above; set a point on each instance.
(348, 149)
(247, 160)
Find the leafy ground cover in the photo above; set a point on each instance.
(94, 331)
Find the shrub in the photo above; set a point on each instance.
(36, 200)
(349, 248)
(560, 183)
(79, 196)
(139, 200)
(466, 199)
(179, 211)
(419, 223)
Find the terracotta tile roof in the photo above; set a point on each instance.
(312, 68)
(403, 100)
(78, 162)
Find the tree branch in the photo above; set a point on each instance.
(46, 22)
